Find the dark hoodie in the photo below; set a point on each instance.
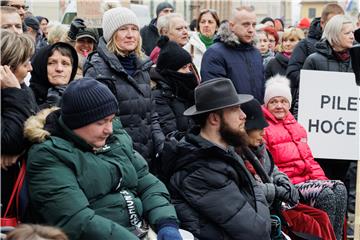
(39, 81)
(302, 50)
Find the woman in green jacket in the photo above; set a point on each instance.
(84, 175)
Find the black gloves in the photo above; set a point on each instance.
(54, 95)
(76, 25)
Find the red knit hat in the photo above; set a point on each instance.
(304, 23)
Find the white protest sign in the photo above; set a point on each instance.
(329, 109)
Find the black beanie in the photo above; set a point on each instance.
(86, 101)
(171, 56)
(162, 6)
(254, 116)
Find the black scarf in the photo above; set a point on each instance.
(183, 84)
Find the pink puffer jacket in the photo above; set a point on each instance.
(287, 141)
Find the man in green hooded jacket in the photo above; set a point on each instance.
(84, 175)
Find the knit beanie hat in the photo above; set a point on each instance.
(277, 86)
(86, 101)
(114, 18)
(162, 6)
(254, 115)
(171, 56)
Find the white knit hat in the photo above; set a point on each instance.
(114, 18)
(277, 86)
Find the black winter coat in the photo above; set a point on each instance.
(170, 105)
(17, 105)
(214, 195)
(302, 50)
(324, 60)
(150, 35)
(276, 65)
(136, 109)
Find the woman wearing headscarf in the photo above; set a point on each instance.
(120, 64)
(54, 67)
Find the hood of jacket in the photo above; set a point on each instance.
(47, 123)
(112, 60)
(229, 38)
(315, 30)
(39, 81)
(323, 47)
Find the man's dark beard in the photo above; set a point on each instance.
(231, 137)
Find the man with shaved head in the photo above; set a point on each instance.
(234, 56)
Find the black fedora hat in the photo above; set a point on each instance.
(215, 94)
(254, 116)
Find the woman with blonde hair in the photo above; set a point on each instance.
(17, 104)
(278, 65)
(120, 64)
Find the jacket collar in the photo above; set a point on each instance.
(226, 36)
(79, 142)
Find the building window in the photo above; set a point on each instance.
(312, 12)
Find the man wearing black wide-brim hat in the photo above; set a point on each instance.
(213, 193)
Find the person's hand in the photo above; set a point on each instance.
(76, 25)
(288, 194)
(8, 160)
(7, 78)
(169, 233)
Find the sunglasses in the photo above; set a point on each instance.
(17, 6)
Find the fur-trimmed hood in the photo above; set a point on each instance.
(36, 128)
(229, 38)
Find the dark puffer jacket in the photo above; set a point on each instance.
(324, 60)
(171, 102)
(150, 35)
(302, 50)
(133, 93)
(214, 195)
(276, 65)
(242, 63)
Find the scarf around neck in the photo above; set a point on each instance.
(208, 41)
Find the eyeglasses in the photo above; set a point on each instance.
(18, 7)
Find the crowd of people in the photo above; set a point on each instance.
(167, 133)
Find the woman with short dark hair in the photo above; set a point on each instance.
(206, 26)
